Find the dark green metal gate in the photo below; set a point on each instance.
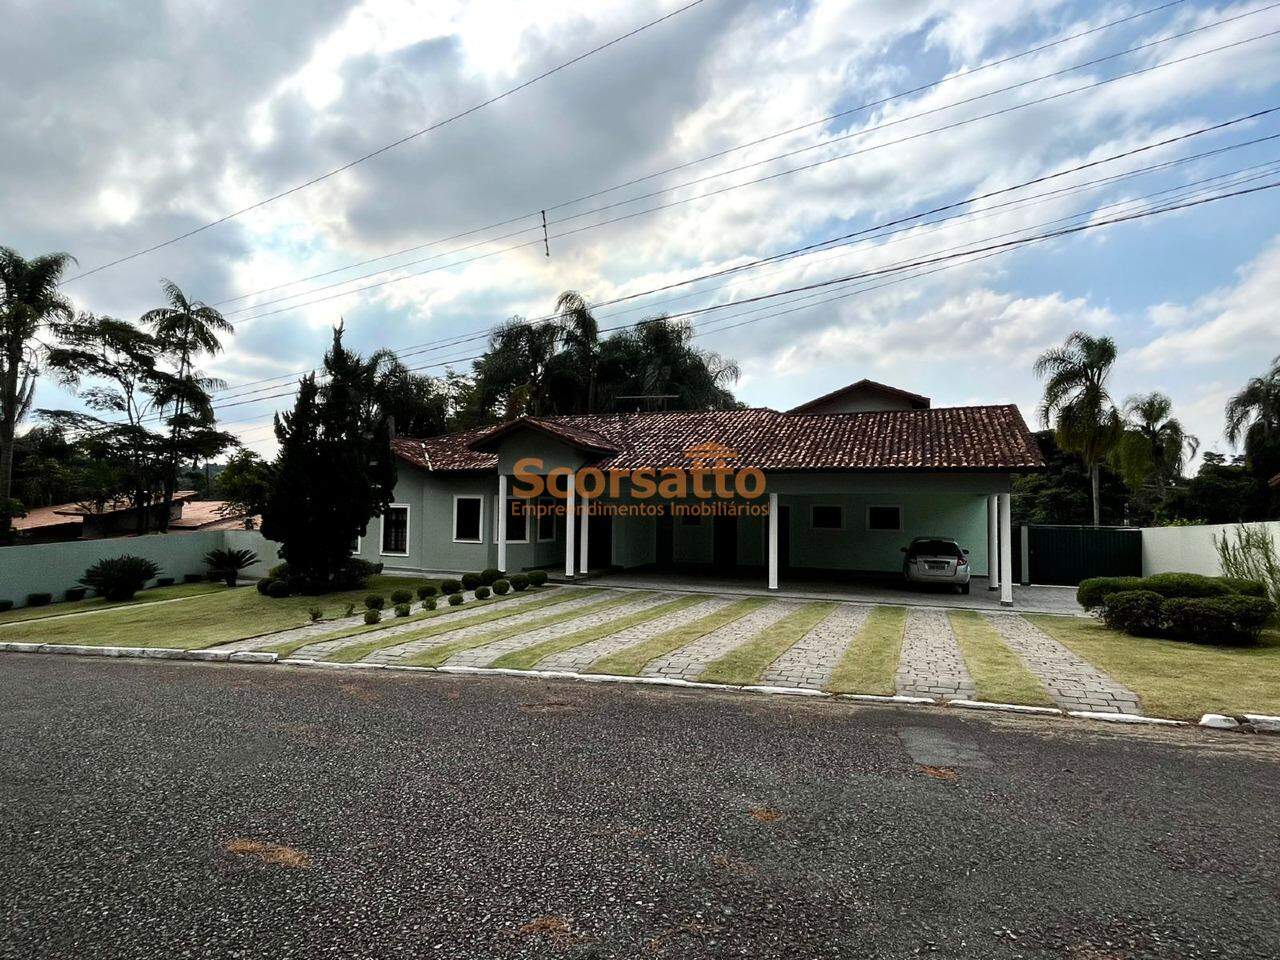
(1067, 555)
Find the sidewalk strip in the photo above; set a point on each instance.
(998, 673)
(747, 663)
(629, 662)
(871, 660)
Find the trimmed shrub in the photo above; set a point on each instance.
(537, 578)
(1218, 620)
(483, 592)
(42, 599)
(401, 596)
(225, 564)
(1138, 612)
(264, 585)
(315, 613)
(196, 578)
(6, 605)
(375, 567)
(490, 574)
(1093, 591)
(278, 589)
(1245, 588)
(119, 578)
(1191, 585)
(470, 581)
(375, 601)
(165, 582)
(455, 599)
(500, 587)
(279, 572)
(402, 609)
(429, 603)
(519, 582)
(426, 590)
(450, 586)
(76, 593)
(372, 616)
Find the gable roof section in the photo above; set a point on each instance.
(992, 438)
(581, 437)
(916, 400)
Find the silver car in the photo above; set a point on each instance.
(936, 560)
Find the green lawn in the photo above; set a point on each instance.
(745, 663)
(90, 604)
(206, 620)
(526, 658)
(871, 660)
(631, 660)
(358, 651)
(996, 670)
(1178, 680)
(435, 656)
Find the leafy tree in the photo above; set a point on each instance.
(1152, 451)
(1253, 415)
(658, 358)
(245, 484)
(418, 406)
(1076, 397)
(184, 329)
(1061, 493)
(29, 300)
(334, 471)
(1221, 492)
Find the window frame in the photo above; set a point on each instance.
(479, 538)
(537, 523)
(382, 530)
(510, 500)
(826, 506)
(884, 506)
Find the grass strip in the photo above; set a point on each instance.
(871, 660)
(358, 651)
(999, 675)
(525, 658)
(1177, 680)
(435, 656)
(746, 662)
(177, 591)
(629, 661)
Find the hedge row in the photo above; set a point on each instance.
(1171, 586)
(1222, 619)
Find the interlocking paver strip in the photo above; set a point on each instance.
(811, 661)
(931, 664)
(579, 658)
(396, 654)
(691, 660)
(1073, 683)
(482, 656)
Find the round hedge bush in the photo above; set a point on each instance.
(402, 609)
(1092, 592)
(372, 616)
(426, 590)
(1185, 585)
(401, 596)
(1218, 621)
(482, 592)
(277, 589)
(470, 580)
(1139, 612)
(1245, 588)
(375, 601)
(450, 586)
(519, 582)
(263, 585)
(500, 587)
(537, 578)
(429, 603)
(490, 574)
(455, 599)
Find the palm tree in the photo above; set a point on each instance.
(29, 299)
(1155, 447)
(185, 328)
(1075, 395)
(1253, 415)
(658, 359)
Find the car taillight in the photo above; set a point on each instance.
(963, 562)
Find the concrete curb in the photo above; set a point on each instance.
(1249, 722)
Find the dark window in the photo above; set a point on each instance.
(517, 520)
(395, 530)
(546, 520)
(934, 548)
(828, 518)
(466, 519)
(884, 518)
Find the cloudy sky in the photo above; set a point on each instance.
(125, 124)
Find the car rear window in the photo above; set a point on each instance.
(935, 548)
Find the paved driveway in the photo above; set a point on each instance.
(156, 809)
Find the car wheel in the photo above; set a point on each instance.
(965, 589)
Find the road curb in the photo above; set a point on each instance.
(1005, 707)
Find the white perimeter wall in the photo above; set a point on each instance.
(1190, 549)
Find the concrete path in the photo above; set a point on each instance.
(413, 647)
(482, 656)
(1073, 683)
(579, 658)
(691, 660)
(812, 660)
(931, 664)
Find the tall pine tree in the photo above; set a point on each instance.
(335, 470)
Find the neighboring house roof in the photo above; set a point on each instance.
(864, 386)
(945, 438)
(207, 515)
(39, 518)
(118, 505)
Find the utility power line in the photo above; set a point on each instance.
(386, 147)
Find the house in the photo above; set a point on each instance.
(117, 518)
(833, 488)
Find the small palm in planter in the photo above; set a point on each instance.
(227, 564)
(119, 578)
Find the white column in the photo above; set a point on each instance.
(502, 522)
(582, 541)
(993, 542)
(773, 541)
(1006, 551)
(570, 528)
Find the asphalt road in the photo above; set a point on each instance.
(156, 809)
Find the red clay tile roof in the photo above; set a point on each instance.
(915, 399)
(118, 505)
(207, 515)
(583, 438)
(943, 438)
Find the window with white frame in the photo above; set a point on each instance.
(826, 516)
(517, 521)
(467, 519)
(395, 530)
(885, 518)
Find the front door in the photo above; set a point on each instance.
(724, 551)
(600, 542)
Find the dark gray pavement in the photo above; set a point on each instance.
(382, 815)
